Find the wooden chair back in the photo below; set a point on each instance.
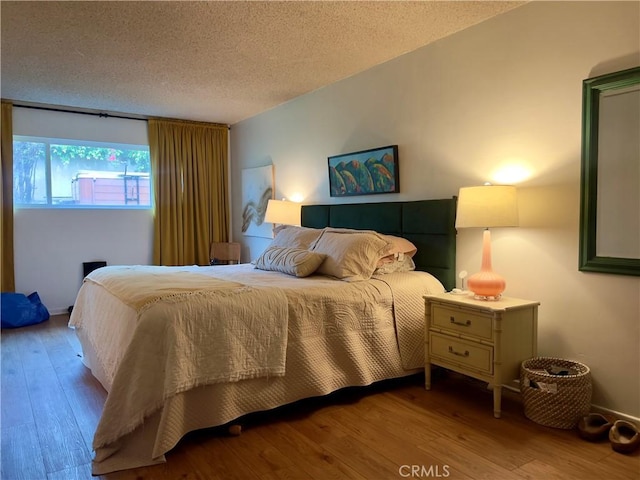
(224, 253)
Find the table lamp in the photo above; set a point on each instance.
(486, 207)
(282, 212)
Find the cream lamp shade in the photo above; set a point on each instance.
(487, 206)
(484, 207)
(281, 212)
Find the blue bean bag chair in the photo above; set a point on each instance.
(19, 310)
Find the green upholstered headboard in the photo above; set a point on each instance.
(429, 224)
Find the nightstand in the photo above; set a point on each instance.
(487, 340)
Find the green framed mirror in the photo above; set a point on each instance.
(610, 174)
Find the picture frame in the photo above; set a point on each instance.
(367, 172)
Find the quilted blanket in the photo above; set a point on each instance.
(139, 286)
(338, 334)
(207, 331)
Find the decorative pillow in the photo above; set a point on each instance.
(402, 264)
(352, 255)
(292, 261)
(400, 245)
(399, 248)
(296, 237)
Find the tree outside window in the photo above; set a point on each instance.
(54, 172)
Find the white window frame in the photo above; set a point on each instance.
(63, 141)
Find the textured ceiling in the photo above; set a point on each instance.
(211, 61)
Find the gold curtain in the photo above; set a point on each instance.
(190, 182)
(7, 280)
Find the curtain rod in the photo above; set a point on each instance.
(95, 114)
(81, 112)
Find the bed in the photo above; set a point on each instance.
(184, 348)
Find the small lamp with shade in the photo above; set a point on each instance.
(487, 206)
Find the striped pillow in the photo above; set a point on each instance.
(292, 261)
(295, 237)
(352, 255)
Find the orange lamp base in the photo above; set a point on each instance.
(486, 284)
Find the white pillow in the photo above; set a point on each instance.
(351, 255)
(292, 261)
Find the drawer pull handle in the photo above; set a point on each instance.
(465, 354)
(465, 324)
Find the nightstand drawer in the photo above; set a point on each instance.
(457, 350)
(462, 321)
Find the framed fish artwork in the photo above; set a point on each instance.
(367, 172)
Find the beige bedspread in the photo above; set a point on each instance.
(139, 286)
(192, 330)
(339, 334)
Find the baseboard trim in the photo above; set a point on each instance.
(617, 415)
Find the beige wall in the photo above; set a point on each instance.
(505, 92)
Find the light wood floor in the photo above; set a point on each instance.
(51, 405)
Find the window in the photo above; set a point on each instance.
(72, 173)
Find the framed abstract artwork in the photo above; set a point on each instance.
(257, 189)
(366, 172)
